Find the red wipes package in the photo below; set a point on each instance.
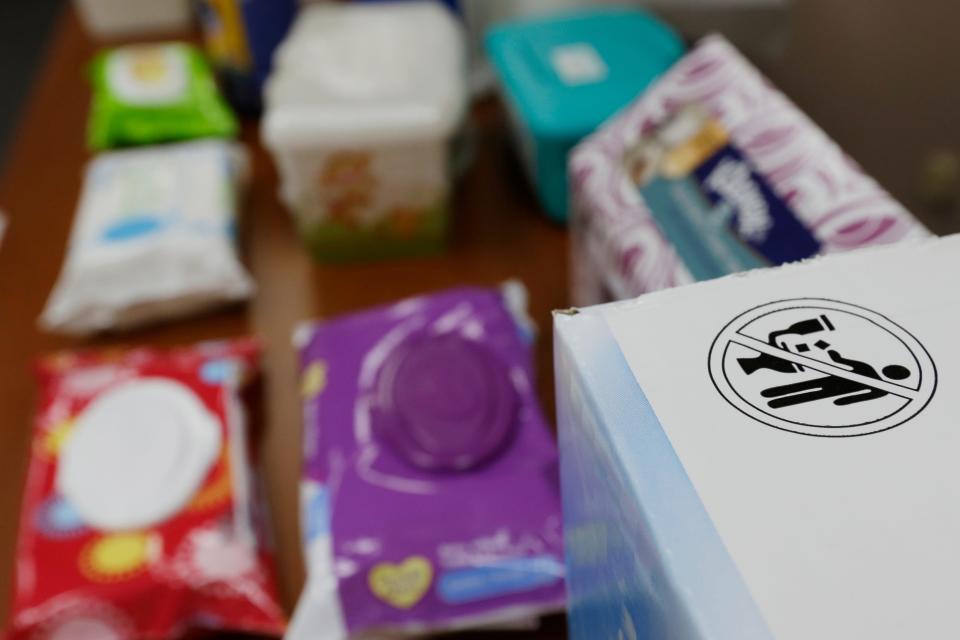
(141, 518)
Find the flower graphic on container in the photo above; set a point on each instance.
(347, 186)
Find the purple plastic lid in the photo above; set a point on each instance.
(444, 403)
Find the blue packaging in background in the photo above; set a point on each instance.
(240, 37)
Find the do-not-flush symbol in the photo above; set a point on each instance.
(822, 367)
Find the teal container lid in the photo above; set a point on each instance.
(569, 72)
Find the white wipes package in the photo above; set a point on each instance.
(153, 238)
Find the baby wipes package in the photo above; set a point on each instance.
(712, 171)
(141, 518)
(153, 238)
(767, 455)
(149, 93)
(430, 495)
(362, 112)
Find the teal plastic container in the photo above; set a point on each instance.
(563, 75)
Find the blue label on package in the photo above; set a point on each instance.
(722, 216)
(498, 578)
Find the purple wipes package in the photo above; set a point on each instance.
(430, 494)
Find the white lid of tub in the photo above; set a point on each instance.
(357, 73)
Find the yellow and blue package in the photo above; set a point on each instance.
(145, 94)
(240, 37)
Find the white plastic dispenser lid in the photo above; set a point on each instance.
(366, 74)
(138, 454)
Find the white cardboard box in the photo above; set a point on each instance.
(769, 455)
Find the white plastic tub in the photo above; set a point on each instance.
(361, 108)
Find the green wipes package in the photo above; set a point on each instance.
(145, 94)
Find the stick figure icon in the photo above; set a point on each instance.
(829, 386)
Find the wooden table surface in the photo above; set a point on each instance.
(498, 233)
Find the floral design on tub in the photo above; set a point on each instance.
(351, 195)
(347, 186)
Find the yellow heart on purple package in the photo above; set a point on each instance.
(314, 379)
(401, 585)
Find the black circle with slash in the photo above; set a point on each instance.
(822, 367)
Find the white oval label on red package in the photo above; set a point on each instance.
(138, 454)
